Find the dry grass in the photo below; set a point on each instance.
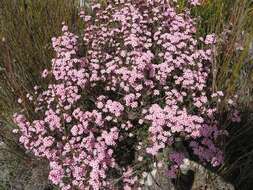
(26, 28)
(233, 73)
(233, 22)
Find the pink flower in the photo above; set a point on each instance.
(210, 39)
(177, 158)
(44, 73)
(100, 105)
(74, 130)
(48, 141)
(56, 175)
(65, 28)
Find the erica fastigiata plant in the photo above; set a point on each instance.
(138, 78)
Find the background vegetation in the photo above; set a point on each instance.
(232, 73)
(26, 28)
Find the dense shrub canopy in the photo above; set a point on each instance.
(138, 75)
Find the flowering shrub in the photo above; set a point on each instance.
(142, 76)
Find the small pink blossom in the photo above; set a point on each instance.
(48, 141)
(45, 73)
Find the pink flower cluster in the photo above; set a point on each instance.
(141, 69)
(177, 159)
